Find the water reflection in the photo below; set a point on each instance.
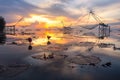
(30, 43)
(30, 47)
(48, 43)
(60, 67)
(2, 38)
(116, 48)
(108, 45)
(48, 36)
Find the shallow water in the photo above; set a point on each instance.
(60, 69)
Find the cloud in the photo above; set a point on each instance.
(60, 9)
(57, 9)
(101, 3)
(65, 1)
(12, 8)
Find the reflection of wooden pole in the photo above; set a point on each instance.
(109, 30)
(99, 31)
(45, 56)
(14, 30)
(104, 29)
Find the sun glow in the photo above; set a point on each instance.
(47, 21)
(56, 37)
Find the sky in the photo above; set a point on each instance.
(48, 13)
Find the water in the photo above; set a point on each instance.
(60, 69)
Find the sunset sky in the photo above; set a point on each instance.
(50, 13)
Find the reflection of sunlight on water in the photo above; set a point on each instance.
(39, 41)
(43, 41)
(18, 36)
(55, 37)
(72, 50)
(59, 37)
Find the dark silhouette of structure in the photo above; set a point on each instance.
(2, 24)
(11, 30)
(2, 30)
(2, 39)
(104, 29)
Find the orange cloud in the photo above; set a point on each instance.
(44, 21)
(48, 21)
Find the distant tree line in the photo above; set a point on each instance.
(2, 24)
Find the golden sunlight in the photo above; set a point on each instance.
(55, 38)
(45, 20)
